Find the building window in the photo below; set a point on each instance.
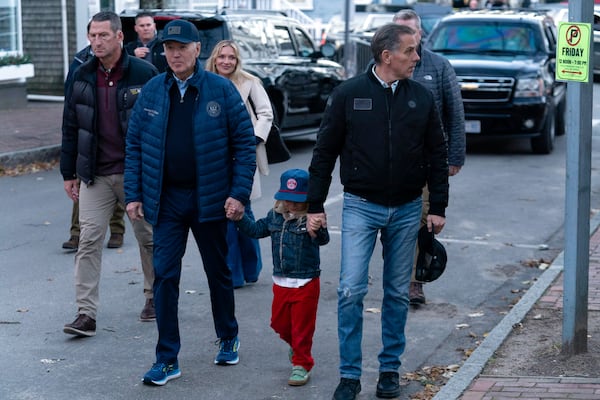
(10, 27)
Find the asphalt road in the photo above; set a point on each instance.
(506, 209)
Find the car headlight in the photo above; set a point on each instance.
(530, 87)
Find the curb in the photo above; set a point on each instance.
(473, 366)
(39, 154)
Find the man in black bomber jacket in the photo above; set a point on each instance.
(387, 132)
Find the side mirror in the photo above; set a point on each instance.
(328, 50)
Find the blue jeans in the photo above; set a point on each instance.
(243, 255)
(178, 215)
(361, 222)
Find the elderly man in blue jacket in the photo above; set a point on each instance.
(189, 166)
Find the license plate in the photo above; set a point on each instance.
(473, 126)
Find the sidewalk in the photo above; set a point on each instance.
(469, 384)
(34, 134)
(30, 134)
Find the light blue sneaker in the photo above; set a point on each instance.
(161, 373)
(228, 352)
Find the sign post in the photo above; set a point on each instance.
(574, 64)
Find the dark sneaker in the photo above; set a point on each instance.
(82, 326)
(348, 389)
(415, 293)
(161, 373)
(115, 241)
(71, 244)
(388, 385)
(299, 376)
(228, 352)
(148, 313)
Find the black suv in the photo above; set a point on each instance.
(505, 63)
(296, 75)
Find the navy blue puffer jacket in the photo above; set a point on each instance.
(223, 139)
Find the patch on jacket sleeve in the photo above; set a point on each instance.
(135, 90)
(213, 109)
(150, 112)
(363, 104)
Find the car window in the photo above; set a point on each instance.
(252, 39)
(485, 36)
(305, 45)
(284, 41)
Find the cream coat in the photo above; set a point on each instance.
(262, 119)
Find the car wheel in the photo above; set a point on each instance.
(544, 144)
(561, 111)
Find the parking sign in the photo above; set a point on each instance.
(573, 52)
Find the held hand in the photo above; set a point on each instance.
(234, 209)
(135, 210)
(453, 169)
(436, 222)
(314, 222)
(141, 52)
(72, 189)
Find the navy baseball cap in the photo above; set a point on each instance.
(294, 186)
(432, 258)
(180, 30)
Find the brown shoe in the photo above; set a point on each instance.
(115, 241)
(148, 312)
(415, 293)
(82, 326)
(71, 244)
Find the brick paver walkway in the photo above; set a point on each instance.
(37, 125)
(533, 388)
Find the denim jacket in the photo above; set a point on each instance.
(295, 253)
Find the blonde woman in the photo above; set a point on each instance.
(243, 257)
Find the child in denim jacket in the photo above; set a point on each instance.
(296, 269)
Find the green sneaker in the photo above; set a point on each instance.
(299, 376)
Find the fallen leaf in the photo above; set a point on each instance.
(22, 310)
(51, 360)
(537, 316)
(460, 326)
(28, 168)
(476, 314)
(190, 291)
(373, 310)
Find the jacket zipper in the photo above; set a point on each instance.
(283, 230)
(388, 99)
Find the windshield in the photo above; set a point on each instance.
(484, 36)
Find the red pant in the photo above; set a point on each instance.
(293, 317)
